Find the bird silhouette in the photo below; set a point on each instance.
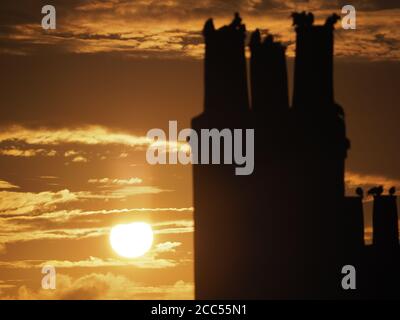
(302, 19)
(295, 18)
(375, 191)
(332, 19)
(208, 27)
(360, 192)
(310, 18)
(237, 21)
(255, 38)
(392, 191)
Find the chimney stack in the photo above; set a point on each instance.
(353, 224)
(225, 67)
(385, 222)
(269, 85)
(313, 78)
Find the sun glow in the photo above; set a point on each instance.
(131, 240)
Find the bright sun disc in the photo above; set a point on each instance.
(131, 240)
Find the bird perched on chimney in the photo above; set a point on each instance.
(392, 191)
(332, 19)
(255, 39)
(360, 192)
(237, 21)
(375, 191)
(309, 19)
(208, 27)
(302, 19)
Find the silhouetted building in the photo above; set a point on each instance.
(385, 222)
(286, 230)
(353, 222)
(313, 74)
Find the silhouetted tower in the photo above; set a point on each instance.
(385, 222)
(223, 232)
(319, 121)
(271, 187)
(225, 67)
(320, 125)
(320, 149)
(269, 84)
(383, 260)
(313, 75)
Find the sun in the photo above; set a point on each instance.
(131, 240)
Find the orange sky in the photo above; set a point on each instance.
(77, 102)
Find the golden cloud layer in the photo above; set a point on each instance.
(87, 136)
(26, 216)
(108, 181)
(7, 185)
(15, 232)
(354, 180)
(18, 203)
(90, 135)
(15, 152)
(173, 28)
(105, 286)
(149, 261)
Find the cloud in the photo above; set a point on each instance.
(71, 153)
(76, 156)
(14, 152)
(105, 286)
(175, 230)
(14, 233)
(15, 203)
(17, 232)
(149, 261)
(167, 246)
(80, 159)
(119, 182)
(22, 203)
(174, 226)
(354, 180)
(121, 193)
(91, 135)
(7, 185)
(371, 5)
(64, 215)
(140, 29)
(6, 285)
(40, 224)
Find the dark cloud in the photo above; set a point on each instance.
(390, 42)
(88, 36)
(371, 4)
(144, 29)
